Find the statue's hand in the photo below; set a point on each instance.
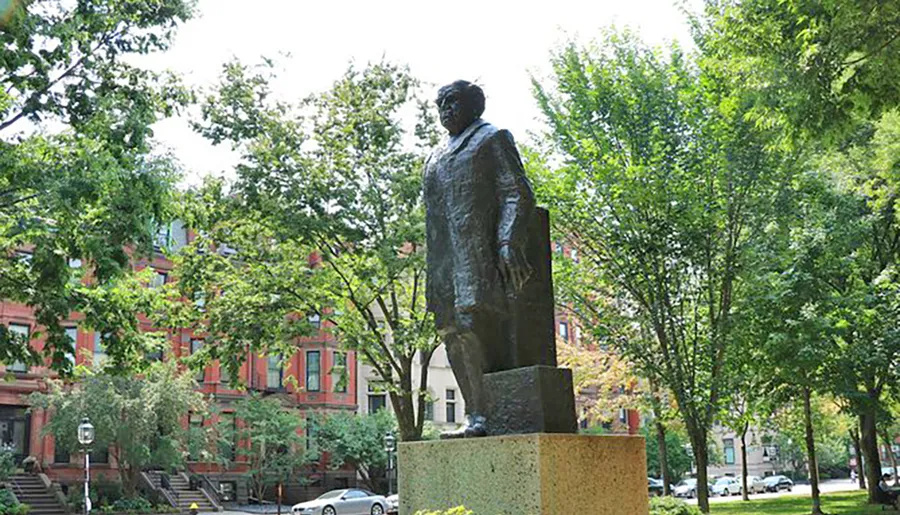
(514, 268)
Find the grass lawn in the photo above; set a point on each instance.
(839, 503)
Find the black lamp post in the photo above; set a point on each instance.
(390, 443)
(86, 438)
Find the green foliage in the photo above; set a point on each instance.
(7, 463)
(677, 457)
(459, 510)
(671, 506)
(357, 441)
(275, 449)
(77, 176)
(133, 505)
(663, 189)
(9, 505)
(137, 418)
(806, 65)
(327, 216)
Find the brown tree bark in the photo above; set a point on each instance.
(701, 459)
(860, 474)
(869, 446)
(663, 457)
(813, 464)
(891, 457)
(745, 491)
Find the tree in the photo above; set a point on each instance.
(272, 444)
(78, 180)
(139, 418)
(662, 189)
(327, 217)
(814, 67)
(678, 461)
(358, 441)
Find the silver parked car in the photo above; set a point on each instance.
(756, 485)
(343, 502)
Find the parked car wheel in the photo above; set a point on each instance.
(328, 510)
(377, 509)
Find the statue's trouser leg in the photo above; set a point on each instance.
(467, 362)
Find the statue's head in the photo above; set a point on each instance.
(460, 104)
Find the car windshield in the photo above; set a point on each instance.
(724, 481)
(687, 482)
(773, 479)
(332, 494)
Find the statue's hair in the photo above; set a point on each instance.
(472, 94)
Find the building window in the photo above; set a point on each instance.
(557, 246)
(195, 425)
(623, 415)
(274, 373)
(196, 345)
(228, 442)
(100, 455)
(429, 410)
(60, 454)
(729, 450)
(72, 335)
(315, 320)
(313, 368)
(577, 334)
(451, 406)
(377, 397)
(99, 351)
(564, 331)
(573, 253)
(23, 333)
(339, 373)
(584, 423)
(158, 279)
(377, 402)
(224, 375)
(75, 263)
(227, 490)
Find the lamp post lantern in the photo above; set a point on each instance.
(390, 443)
(86, 438)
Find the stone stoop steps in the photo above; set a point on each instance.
(30, 490)
(184, 494)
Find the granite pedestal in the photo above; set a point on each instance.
(537, 399)
(537, 474)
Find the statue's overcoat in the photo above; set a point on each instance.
(477, 197)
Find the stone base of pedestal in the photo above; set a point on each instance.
(537, 474)
(529, 400)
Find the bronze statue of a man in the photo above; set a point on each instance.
(479, 204)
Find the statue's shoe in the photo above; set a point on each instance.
(475, 427)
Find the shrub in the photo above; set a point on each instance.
(7, 462)
(136, 505)
(671, 506)
(459, 510)
(8, 503)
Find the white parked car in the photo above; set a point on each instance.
(393, 504)
(343, 502)
(727, 486)
(756, 485)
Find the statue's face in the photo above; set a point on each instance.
(455, 113)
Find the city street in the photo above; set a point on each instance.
(831, 485)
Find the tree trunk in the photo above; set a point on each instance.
(891, 457)
(860, 474)
(701, 459)
(813, 464)
(745, 492)
(869, 444)
(663, 457)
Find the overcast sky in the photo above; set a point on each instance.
(496, 42)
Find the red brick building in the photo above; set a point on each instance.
(310, 367)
